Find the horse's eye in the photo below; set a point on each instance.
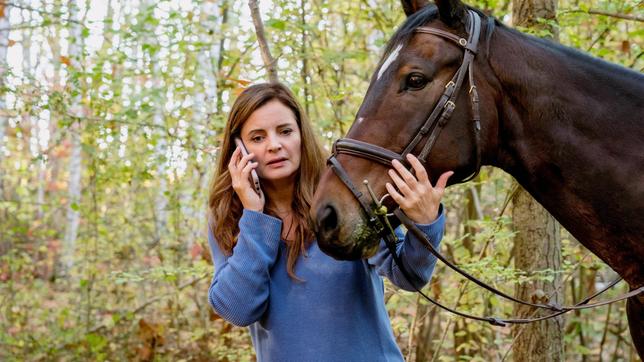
(416, 81)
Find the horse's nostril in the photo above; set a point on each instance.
(328, 219)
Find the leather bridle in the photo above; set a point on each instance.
(378, 217)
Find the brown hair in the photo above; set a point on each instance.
(224, 204)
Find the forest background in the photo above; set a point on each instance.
(111, 114)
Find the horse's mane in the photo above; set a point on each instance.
(430, 13)
(572, 54)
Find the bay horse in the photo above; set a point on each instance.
(567, 126)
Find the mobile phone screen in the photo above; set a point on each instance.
(253, 174)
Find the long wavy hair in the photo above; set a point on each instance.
(224, 204)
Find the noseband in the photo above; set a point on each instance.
(431, 129)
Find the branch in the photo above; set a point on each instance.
(606, 13)
(31, 26)
(635, 59)
(477, 202)
(269, 62)
(58, 15)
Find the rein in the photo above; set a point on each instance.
(378, 216)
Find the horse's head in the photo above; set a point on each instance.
(415, 87)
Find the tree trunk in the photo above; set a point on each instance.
(158, 119)
(4, 120)
(463, 336)
(536, 15)
(538, 241)
(4, 44)
(305, 61)
(537, 248)
(75, 162)
(34, 124)
(429, 323)
(54, 161)
(207, 60)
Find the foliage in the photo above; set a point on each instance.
(148, 96)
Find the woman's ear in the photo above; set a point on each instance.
(452, 12)
(412, 6)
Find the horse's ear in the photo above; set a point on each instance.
(451, 12)
(412, 6)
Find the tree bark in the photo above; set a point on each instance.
(207, 60)
(268, 59)
(536, 15)
(538, 242)
(303, 50)
(537, 248)
(159, 121)
(225, 5)
(54, 164)
(30, 122)
(4, 120)
(463, 337)
(75, 161)
(428, 326)
(5, 25)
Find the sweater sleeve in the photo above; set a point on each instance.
(240, 285)
(419, 262)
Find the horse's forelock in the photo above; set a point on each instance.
(404, 33)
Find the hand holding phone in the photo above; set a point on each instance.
(254, 180)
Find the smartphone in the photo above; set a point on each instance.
(253, 174)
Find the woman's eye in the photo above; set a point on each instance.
(416, 81)
(287, 131)
(256, 139)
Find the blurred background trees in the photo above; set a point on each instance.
(110, 120)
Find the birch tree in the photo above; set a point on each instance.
(5, 26)
(150, 52)
(207, 59)
(75, 161)
(54, 160)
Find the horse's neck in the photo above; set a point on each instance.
(570, 131)
(550, 85)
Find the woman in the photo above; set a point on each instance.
(300, 304)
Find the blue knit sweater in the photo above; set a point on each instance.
(337, 313)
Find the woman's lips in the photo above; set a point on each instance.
(277, 163)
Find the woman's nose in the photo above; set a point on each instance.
(275, 144)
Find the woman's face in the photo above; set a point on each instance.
(272, 134)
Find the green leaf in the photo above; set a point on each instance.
(276, 24)
(96, 341)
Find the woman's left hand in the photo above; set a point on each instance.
(417, 197)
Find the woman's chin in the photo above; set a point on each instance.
(277, 174)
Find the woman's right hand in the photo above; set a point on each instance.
(239, 168)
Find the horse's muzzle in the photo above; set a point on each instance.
(327, 230)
